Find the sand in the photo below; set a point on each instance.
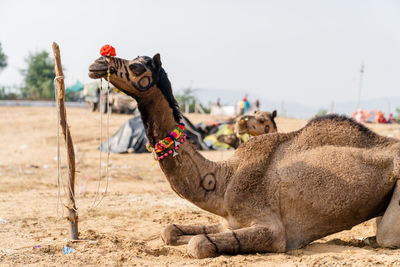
(124, 229)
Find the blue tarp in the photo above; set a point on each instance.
(78, 86)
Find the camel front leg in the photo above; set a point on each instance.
(388, 228)
(246, 240)
(175, 234)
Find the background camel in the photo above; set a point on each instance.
(261, 122)
(279, 191)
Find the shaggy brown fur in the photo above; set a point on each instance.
(279, 191)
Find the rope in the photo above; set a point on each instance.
(94, 204)
(101, 138)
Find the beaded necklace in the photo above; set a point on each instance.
(170, 144)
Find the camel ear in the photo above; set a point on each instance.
(273, 114)
(157, 62)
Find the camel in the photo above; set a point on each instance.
(261, 122)
(278, 191)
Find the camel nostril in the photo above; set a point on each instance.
(254, 127)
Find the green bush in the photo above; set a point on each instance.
(322, 112)
(3, 59)
(38, 77)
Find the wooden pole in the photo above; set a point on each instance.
(72, 214)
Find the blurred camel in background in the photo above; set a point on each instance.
(261, 122)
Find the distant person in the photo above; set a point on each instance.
(257, 104)
(381, 118)
(218, 102)
(246, 104)
(390, 118)
(359, 116)
(242, 105)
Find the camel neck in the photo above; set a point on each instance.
(157, 116)
(190, 175)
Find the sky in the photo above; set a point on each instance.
(308, 52)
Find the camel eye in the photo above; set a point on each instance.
(137, 68)
(113, 70)
(261, 120)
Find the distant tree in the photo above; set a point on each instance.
(3, 59)
(322, 112)
(9, 92)
(38, 77)
(3, 94)
(187, 97)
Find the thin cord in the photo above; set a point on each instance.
(101, 137)
(94, 204)
(108, 138)
(108, 141)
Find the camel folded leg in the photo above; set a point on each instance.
(175, 234)
(388, 229)
(246, 240)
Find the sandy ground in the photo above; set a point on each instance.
(125, 228)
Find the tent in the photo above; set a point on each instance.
(131, 137)
(78, 86)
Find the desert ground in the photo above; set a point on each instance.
(124, 229)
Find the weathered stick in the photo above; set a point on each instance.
(72, 216)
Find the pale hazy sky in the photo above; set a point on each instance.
(304, 51)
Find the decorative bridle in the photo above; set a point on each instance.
(169, 145)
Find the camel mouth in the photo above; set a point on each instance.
(98, 70)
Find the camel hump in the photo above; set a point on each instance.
(339, 119)
(338, 130)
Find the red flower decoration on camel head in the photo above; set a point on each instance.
(107, 50)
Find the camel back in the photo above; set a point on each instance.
(330, 130)
(338, 131)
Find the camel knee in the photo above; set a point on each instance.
(388, 241)
(388, 229)
(388, 235)
(201, 247)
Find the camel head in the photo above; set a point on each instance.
(135, 77)
(260, 122)
(229, 139)
(140, 78)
